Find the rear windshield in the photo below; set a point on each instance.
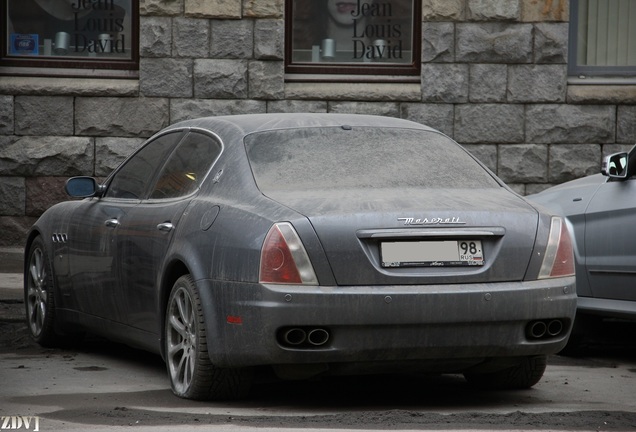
(361, 157)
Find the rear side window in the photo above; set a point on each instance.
(187, 166)
(361, 157)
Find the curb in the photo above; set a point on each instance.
(11, 285)
(11, 259)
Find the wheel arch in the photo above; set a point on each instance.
(31, 236)
(51, 252)
(55, 333)
(173, 271)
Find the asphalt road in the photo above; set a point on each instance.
(102, 386)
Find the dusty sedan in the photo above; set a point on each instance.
(312, 244)
(600, 209)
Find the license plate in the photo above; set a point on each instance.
(431, 253)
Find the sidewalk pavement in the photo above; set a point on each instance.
(11, 264)
(11, 288)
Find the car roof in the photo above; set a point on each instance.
(244, 124)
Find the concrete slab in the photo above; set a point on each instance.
(11, 286)
(11, 264)
(11, 259)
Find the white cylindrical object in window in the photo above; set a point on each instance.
(328, 48)
(104, 44)
(379, 46)
(62, 41)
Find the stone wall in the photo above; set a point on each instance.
(494, 77)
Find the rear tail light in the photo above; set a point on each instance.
(559, 254)
(284, 259)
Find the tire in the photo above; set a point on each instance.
(523, 376)
(39, 296)
(192, 374)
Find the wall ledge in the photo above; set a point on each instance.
(602, 94)
(39, 86)
(384, 92)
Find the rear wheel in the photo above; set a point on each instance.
(522, 376)
(192, 374)
(39, 295)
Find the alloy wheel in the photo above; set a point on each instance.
(37, 292)
(181, 340)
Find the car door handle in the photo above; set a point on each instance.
(112, 223)
(166, 227)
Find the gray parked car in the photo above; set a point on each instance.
(313, 244)
(601, 210)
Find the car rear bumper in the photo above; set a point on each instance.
(247, 324)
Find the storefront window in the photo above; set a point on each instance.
(362, 37)
(76, 34)
(602, 35)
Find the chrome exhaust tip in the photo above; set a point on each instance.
(537, 329)
(555, 327)
(295, 336)
(318, 337)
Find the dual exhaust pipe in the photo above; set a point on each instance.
(300, 337)
(542, 329)
(297, 337)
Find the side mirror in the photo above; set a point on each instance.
(82, 187)
(615, 165)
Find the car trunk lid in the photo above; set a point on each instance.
(389, 237)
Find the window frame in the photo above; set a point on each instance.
(574, 69)
(70, 67)
(322, 71)
(177, 153)
(175, 135)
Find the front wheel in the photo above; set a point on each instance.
(192, 374)
(39, 295)
(522, 376)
